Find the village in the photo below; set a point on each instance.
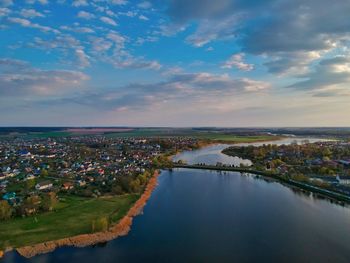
(34, 173)
(324, 164)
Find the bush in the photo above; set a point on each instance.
(5, 210)
(100, 224)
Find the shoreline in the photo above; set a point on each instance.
(291, 183)
(121, 228)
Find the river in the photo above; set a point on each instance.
(207, 216)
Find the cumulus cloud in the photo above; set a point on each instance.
(27, 23)
(30, 13)
(237, 61)
(4, 11)
(78, 3)
(18, 78)
(85, 15)
(43, 2)
(283, 31)
(108, 20)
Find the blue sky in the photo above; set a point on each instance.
(174, 63)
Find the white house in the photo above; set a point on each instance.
(43, 186)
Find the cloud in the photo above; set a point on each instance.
(330, 77)
(211, 30)
(82, 58)
(30, 13)
(85, 15)
(108, 20)
(78, 3)
(27, 23)
(18, 78)
(237, 61)
(191, 87)
(144, 5)
(142, 17)
(43, 2)
(283, 31)
(119, 2)
(4, 11)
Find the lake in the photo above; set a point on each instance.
(208, 216)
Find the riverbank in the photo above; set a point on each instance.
(323, 192)
(120, 229)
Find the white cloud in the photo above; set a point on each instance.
(78, 3)
(85, 15)
(142, 17)
(82, 58)
(30, 13)
(108, 21)
(237, 61)
(27, 23)
(4, 11)
(18, 78)
(43, 2)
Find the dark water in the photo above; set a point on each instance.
(203, 216)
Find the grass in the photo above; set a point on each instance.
(73, 216)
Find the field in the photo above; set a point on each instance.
(220, 137)
(74, 216)
(215, 136)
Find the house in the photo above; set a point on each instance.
(43, 185)
(2, 176)
(344, 162)
(67, 186)
(9, 196)
(343, 179)
(81, 183)
(29, 177)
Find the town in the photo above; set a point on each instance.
(35, 172)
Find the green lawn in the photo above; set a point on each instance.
(73, 216)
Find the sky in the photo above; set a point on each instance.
(230, 63)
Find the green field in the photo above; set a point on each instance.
(215, 136)
(234, 138)
(73, 216)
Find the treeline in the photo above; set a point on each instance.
(30, 206)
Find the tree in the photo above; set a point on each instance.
(44, 173)
(29, 184)
(49, 201)
(5, 210)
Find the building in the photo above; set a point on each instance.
(43, 185)
(343, 179)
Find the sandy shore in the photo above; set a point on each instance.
(120, 229)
